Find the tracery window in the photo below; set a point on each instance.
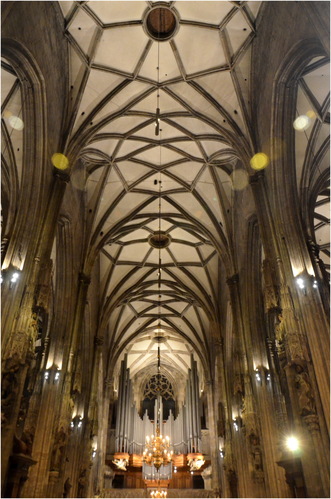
(158, 385)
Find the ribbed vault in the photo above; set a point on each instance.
(160, 136)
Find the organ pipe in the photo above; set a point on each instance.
(131, 430)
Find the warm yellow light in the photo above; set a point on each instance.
(60, 161)
(292, 443)
(311, 114)
(259, 161)
(158, 447)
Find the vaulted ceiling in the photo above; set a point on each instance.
(159, 118)
(194, 67)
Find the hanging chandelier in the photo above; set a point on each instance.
(159, 493)
(157, 451)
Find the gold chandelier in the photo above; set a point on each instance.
(157, 451)
(158, 493)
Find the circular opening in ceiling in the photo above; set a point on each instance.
(161, 23)
(159, 240)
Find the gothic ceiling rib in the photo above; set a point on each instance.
(181, 181)
(176, 175)
(312, 143)
(173, 176)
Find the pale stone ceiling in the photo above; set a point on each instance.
(180, 181)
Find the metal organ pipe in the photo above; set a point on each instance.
(184, 431)
(194, 406)
(119, 412)
(127, 411)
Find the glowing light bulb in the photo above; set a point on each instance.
(301, 123)
(300, 283)
(14, 277)
(292, 443)
(16, 122)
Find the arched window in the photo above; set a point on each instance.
(158, 384)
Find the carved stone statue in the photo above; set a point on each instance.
(237, 385)
(305, 392)
(280, 335)
(23, 445)
(255, 452)
(58, 448)
(121, 463)
(9, 387)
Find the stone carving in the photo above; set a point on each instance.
(9, 387)
(255, 450)
(280, 335)
(270, 297)
(66, 488)
(77, 378)
(237, 385)
(305, 392)
(58, 449)
(18, 345)
(33, 327)
(121, 463)
(23, 445)
(43, 292)
(207, 477)
(82, 483)
(312, 422)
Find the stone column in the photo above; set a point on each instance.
(305, 427)
(37, 484)
(311, 420)
(15, 367)
(19, 468)
(214, 452)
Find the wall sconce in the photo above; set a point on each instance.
(268, 376)
(76, 422)
(237, 423)
(94, 453)
(222, 454)
(14, 277)
(10, 275)
(52, 374)
(292, 443)
(258, 376)
(300, 283)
